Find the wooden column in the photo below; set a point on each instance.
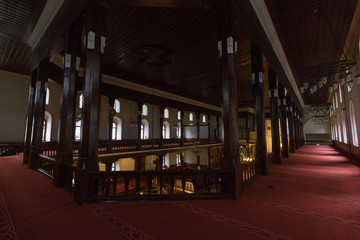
(110, 136)
(274, 113)
(259, 110)
(64, 158)
(247, 127)
(227, 50)
(138, 136)
(94, 48)
(39, 110)
(29, 122)
(291, 123)
(282, 107)
(198, 128)
(296, 126)
(182, 130)
(161, 122)
(209, 129)
(217, 137)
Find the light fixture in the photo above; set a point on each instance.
(315, 88)
(348, 76)
(324, 79)
(342, 80)
(335, 85)
(302, 89)
(320, 83)
(357, 77)
(306, 85)
(330, 88)
(350, 84)
(311, 90)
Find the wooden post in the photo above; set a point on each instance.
(110, 124)
(296, 126)
(217, 137)
(39, 110)
(161, 123)
(247, 128)
(94, 48)
(198, 128)
(64, 154)
(259, 110)
(182, 130)
(29, 122)
(227, 48)
(291, 123)
(274, 113)
(209, 129)
(138, 136)
(284, 137)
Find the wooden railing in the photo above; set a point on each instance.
(46, 165)
(318, 142)
(11, 148)
(248, 172)
(159, 185)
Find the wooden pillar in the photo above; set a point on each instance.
(39, 110)
(161, 125)
(209, 129)
(111, 116)
(259, 110)
(94, 48)
(291, 123)
(295, 122)
(274, 113)
(227, 48)
(247, 129)
(64, 154)
(29, 122)
(182, 130)
(217, 136)
(284, 136)
(198, 128)
(138, 133)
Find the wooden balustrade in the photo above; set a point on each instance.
(11, 148)
(318, 142)
(248, 172)
(46, 165)
(159, 185)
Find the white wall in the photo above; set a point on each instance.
(14, 93)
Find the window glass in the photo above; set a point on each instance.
(191, 117)
(203, 118)
(47, 98)
(344, 126)
(81, 100)
(353, 125)
(144, 111)
(340, 94)
(166, 113)
(179, 115)
(117, 106)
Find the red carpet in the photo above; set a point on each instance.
(315, 194)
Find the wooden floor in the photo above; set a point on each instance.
(315, 194)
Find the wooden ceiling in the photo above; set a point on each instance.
(17, 20)
(172, 45)
(302, 34)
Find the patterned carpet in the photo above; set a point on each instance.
(314, 194)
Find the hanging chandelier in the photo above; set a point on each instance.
(321, 71)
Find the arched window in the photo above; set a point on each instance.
(46, 134)
(47, 98)
(81, 100)
(117, 129)
(191, 117)
(166, 130)
(203, 118)
(336, 100)
(166, 113)
(344, 126)
(144, 134)
(166, 161)
(117, 106)
(77, 130)
(178, 130)
(178, 160)
(340, 93)
(336, 131)
(353, 125)
(144, 111)
(334, 103)
(339, 126)
(179, 115)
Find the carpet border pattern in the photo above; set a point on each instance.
(7, 229)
